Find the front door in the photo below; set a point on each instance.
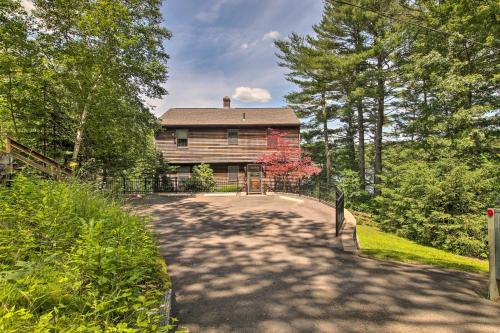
(254, 178)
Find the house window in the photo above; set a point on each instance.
(232, 137)
(232, 173)
(272, 140)
(181, 137)
(184, 172)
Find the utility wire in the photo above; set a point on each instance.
(417, 24)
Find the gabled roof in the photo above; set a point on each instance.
(229, 117)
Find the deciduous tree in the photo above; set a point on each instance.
(286, 160)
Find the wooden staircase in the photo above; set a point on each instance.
(16, 155)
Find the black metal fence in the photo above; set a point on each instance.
(339, 211)
(331, 196)
(169, 185)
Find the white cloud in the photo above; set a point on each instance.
(28, 5)
(268, 35)
(245, 46)
(211, 14)
(247, 94)
(271, 35)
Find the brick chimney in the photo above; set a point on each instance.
(226, 102)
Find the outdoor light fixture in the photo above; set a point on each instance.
(490, 212)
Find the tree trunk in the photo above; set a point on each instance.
(81, 123)
(11, 106)
(361, 139)
(377, 164)
(328, 164)
(79, 133)
(360, 117)
(350, 134)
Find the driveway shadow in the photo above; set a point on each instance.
(262, 264)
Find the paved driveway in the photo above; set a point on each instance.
(265, 264)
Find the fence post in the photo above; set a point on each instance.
(494, 253)
(124, 186)
(339, 211)
(337, 215)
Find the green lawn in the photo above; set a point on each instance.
(228, 188)
(377, 244)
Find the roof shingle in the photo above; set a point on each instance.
(229, 116)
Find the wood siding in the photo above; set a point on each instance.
(220, 171)
(210, 145)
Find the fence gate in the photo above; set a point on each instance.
(254, 176)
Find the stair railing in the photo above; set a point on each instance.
(36, 160)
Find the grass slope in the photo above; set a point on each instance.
(377, 244)
(71, 260)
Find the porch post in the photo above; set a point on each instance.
(8, 151)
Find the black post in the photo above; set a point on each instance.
(339, 211)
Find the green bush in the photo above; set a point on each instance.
(71, 260)
(202, 179)
(439, 202)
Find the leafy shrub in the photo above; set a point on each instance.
(439, 203)
(355, 198)
(202, 179)
(72, 260)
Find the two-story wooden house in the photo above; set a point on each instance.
(229, 139)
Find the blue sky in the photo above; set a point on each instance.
(219, 46)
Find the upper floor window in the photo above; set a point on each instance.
(181, 136)
(273, 138)
(232, 136)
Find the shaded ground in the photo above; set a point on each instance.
(264, 264)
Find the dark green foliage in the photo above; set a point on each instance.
(72, 260)
(428, 97)
(438, 202)
(355, 197)
(74, 78)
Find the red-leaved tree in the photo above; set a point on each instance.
(286, 159)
